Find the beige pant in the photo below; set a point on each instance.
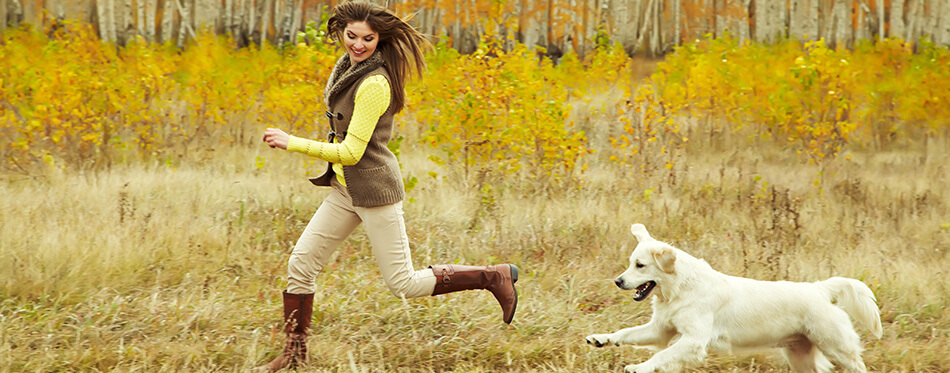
(334, 221)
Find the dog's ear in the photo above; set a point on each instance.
(640, 232)
(665, 258)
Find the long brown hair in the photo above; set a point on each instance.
(401, 45)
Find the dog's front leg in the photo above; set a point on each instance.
(687, 351)
(644, 335)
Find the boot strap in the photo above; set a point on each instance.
(443, 272)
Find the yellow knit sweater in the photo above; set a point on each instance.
(372, 100)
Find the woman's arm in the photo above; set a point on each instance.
(372, 100)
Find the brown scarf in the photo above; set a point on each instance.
(343, 76)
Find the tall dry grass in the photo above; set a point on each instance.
(146, 267)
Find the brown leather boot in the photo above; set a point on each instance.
(297, 311)
(499, 279)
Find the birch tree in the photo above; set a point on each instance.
(14, 13)
(879, 6)
(916, 19)
(943, 28)
(839, 24)
(125, 22)
(803, 19)
(732, 16)
(896, 19)
(227, 21)
(265, 19)
(932, 18)
(862, 24)
(167, 21)
(677, 20)
(295, 21)
(251, 19)
(647, 21)
(625, 23)
(3, 16)
(140, 18)
(283, 11)
(106, 18)
(150, 13)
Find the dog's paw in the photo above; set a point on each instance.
(598, 340)
(638, 368)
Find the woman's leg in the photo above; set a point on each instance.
(329, 226)
(387, 233)
(386, 229)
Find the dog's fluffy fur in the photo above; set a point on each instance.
(699, 309)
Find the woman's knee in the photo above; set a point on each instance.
(301, 271)
(410, 286)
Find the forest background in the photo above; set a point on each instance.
(145, 227)
(560, 26)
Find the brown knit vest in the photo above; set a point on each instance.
(375, 180)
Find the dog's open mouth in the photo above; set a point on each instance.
(643, 290)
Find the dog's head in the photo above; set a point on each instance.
(651, 264)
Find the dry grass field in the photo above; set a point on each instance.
(155, 268)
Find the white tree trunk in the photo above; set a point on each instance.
(150, 11)
(932, 13)
(265, 19)
(841, 23)
(184, 25)
(745, 29)
(110, 20)
(726, 21)
(140, 18)
(944, 28)
(862, 29)
(634, 16)
(655, 33)
(457, 28)
(298, 19)
(647, 19)
(769, 20)
(879, 5)
(242, 20)
(167, 21)
(126, 22)
(677, 19)
(106, 18)
(897, 19)
(3, 16)
(227, 22)
(251, 18)
(910, 15)
(803, 19)
(57, 8)
(286, 21)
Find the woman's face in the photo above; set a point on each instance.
(360, 41)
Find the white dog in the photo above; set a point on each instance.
(700, 309)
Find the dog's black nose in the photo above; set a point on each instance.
(619, 282)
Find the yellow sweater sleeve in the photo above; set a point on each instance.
(372, 100)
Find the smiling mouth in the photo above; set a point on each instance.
(643, 290)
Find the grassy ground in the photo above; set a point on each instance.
(155, 268)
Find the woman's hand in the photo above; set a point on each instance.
(276, 138)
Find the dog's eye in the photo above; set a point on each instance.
(639, 265)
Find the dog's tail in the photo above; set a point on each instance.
(855, 298)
